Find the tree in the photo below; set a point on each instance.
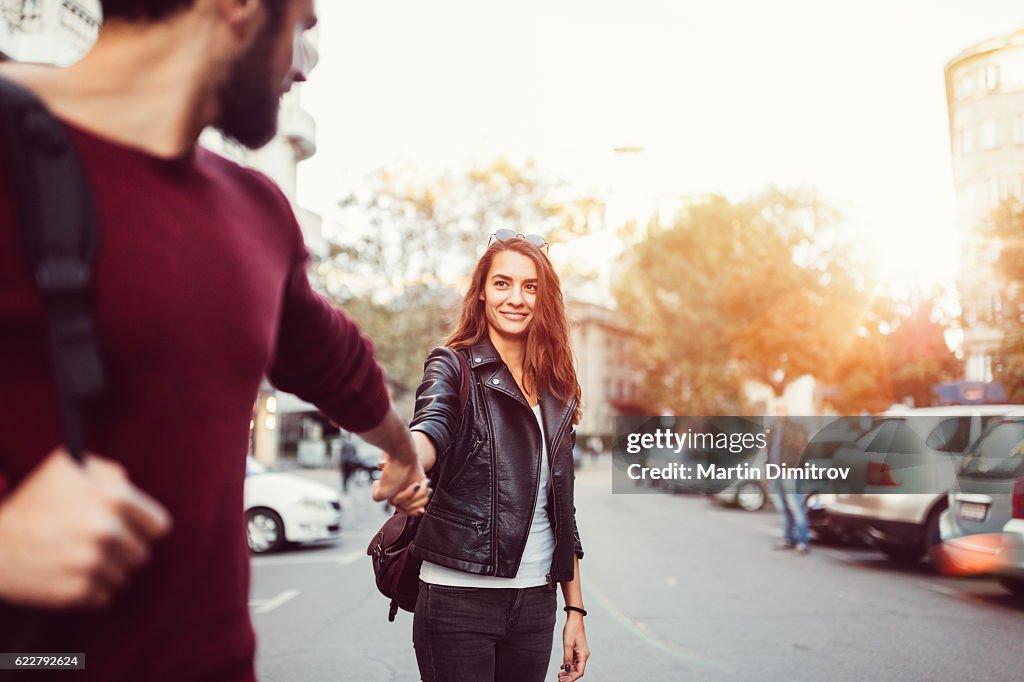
(755, 290)
(407, 244)
(918, 356)
(1005, 231)
(899, 352)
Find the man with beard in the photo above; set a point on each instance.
(138, 558)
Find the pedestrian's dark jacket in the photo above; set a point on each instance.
(488, 467)
(794, 441)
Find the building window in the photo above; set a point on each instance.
(989, 135)
(991, 77)
(1013, 68)
(965, 141)
(965, 84)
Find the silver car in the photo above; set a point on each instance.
(900, 473)
(983, 529)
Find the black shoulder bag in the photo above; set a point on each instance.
(395, 569)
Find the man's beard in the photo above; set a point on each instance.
(248, 100)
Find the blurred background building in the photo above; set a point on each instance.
(606, 367)
(47, 31)
(59, 32)
(985, 99)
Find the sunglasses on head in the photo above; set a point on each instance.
(504, 235)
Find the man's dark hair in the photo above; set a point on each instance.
(155, 10)
(142, 10)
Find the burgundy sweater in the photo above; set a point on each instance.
(200, 290)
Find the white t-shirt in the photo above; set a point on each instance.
(540, 544)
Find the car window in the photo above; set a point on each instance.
(951, 435)
(877, 439)
(905, 441)
(989, 420)
(999, 453)
(834, 435)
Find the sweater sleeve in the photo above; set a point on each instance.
(322, 357)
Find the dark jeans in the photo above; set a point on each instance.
(482, 633)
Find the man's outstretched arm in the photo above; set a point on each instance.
(402, 480)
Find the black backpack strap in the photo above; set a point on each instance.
(60, 233)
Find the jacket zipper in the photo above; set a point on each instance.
(494, 490)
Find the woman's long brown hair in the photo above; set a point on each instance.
(547, 355)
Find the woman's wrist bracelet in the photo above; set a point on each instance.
(577, 609)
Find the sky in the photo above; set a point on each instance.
(727, 97)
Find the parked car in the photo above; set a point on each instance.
(900, 473)
(828, 435)
(983, 529)
(750, 494)
(282, 508)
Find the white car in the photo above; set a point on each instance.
(282, 508)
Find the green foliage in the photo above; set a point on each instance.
(733, 292)
(1006, 232)
(919, 357)
(407, 244)
(899, 352)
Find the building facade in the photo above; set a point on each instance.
(47, 31)
(605, 366)
(985, 102)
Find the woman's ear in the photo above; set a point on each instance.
(244, 17)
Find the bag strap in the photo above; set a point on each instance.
(60, 233)
(463, 382)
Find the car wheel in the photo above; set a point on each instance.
(750, 496)
(264, 530)
(933, 538)
(1015, 585)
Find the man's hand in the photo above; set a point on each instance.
(70, 535)
(403, 485)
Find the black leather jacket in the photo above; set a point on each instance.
(488, 468)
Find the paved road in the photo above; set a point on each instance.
(676, 589)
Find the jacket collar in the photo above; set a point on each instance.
(483, 353)
(554, 413)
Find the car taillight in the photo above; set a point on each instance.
(1018, 499)
(880, 474)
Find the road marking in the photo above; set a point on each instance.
(268, 605)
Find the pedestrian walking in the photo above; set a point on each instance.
(348, 461)
(138, 559)
(500, 530)
(786, 444)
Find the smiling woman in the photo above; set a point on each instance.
(500, 530)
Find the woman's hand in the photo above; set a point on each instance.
(405, 487)
(574, 649)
